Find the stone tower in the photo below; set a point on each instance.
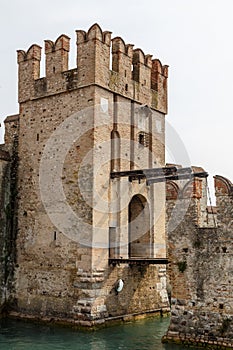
(88, 219)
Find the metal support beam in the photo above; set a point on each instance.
(138, 261)
(177, 177)
(143, 172)
(156, 175)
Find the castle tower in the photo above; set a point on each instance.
(87, 218)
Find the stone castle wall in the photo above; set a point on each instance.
(200, 272)
(63, 216)
(133, 74)
(8, 205)
(75, 127)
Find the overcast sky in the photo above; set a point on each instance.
(194, 37)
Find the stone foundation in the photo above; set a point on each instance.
(192, 325)
(93, 300)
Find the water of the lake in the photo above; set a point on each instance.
(139, 335)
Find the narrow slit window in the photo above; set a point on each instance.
(141, 139)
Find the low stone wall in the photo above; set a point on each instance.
(92, 299)
(192, 325)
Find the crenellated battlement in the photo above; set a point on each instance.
(57, 55)
(118, 45)
(28, 72)
(193, 192)
(223, 186)
(122, 57)
(62, 43)
(95, 32)
(133, 73)
(196, 190)
(33, 53)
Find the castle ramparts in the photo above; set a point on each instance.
(118, 269)
(116, 96)
(133, 74)
(200, 271)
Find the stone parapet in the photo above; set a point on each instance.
(132, 73)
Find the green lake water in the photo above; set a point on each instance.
(139, 335)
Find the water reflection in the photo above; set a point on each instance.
(140, 335)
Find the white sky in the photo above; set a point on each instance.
(194, 37)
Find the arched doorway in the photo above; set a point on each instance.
(139, 227)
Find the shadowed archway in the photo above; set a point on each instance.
(139, 227)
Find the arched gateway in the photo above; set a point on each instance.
(139, 227)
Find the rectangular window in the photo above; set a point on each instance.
(143, 138)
